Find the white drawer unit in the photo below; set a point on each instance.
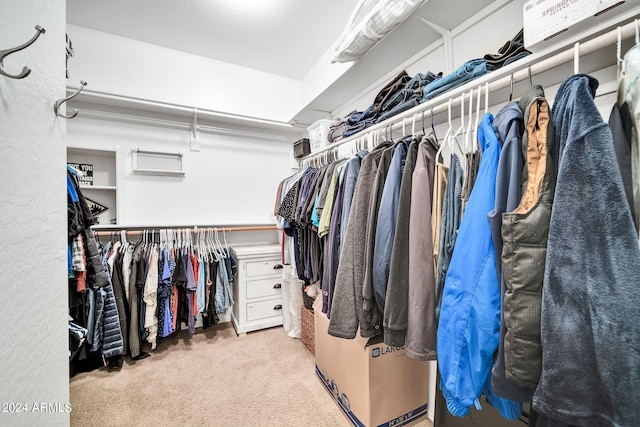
(264, 309)
(257, 288)
(263, 268)
(264, 288)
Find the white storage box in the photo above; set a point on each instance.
(319, 134)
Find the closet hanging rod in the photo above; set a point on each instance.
(188, 110)
(134, 231)
(539, 62)
(87, 112)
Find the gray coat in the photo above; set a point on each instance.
(590, 298)
(347, 313)
(421, 280)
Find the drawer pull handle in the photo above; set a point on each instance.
(278, 266)
(278, 307)
(277, 286)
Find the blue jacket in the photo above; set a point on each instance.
(469, 324)
(386, 226)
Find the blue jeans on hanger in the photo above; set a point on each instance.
(466, 72)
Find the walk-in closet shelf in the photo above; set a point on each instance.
(103, 189)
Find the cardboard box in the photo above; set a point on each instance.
(373, 384)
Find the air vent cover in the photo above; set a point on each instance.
(158, 163)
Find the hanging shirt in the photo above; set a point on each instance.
(150, 298)
(201, 289)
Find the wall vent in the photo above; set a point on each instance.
(158, 163)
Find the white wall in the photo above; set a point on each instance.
(34, 356)
(123, 66)
(232, 179)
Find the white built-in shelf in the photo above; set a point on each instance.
(104, 190)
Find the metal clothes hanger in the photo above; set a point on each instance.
(6, 52)
(511, 88)
(576, 58)
(433, 128)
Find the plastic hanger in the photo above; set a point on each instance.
(468, 144)
(453, 139)
(220, 247)
(474, 141)
(226, 245)
(124, 244)
(486, 97)
(413, 126)
(446, 135)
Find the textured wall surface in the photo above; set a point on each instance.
(33, 284)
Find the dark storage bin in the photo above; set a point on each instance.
(301, 148)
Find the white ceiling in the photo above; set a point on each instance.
(284, 37)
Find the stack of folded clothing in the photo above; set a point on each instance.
(466, 72)
(338, 128)
(470, 70)
(360, 120)
(406, 97)
(510, 52)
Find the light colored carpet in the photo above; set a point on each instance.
(213, 378)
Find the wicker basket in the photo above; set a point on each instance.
(308, 334)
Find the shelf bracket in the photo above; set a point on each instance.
(447, 39)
